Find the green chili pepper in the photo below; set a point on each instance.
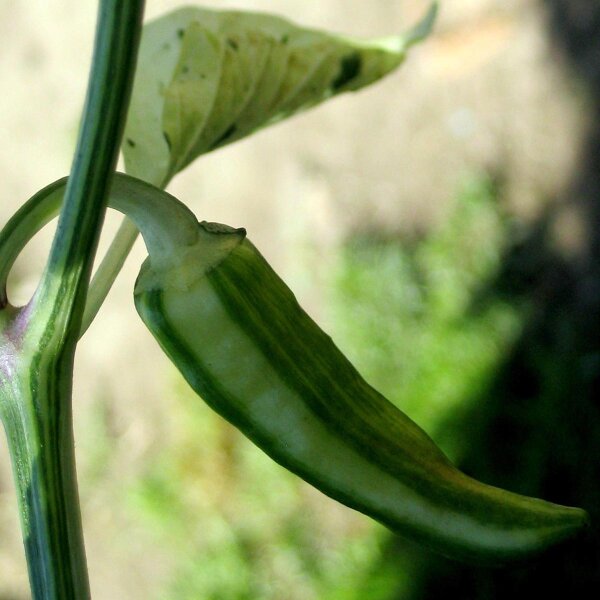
(238, 336)
(240, 339)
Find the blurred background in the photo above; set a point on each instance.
(442, 226)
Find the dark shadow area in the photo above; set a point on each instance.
(536, 430)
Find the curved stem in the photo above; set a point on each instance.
(110, 267)
(167, 225)
(39, 210)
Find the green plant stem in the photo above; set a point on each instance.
(37, 342)
(21, 227)
(65, 280)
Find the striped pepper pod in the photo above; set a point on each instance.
(237, 334)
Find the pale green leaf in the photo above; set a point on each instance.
(207, 78)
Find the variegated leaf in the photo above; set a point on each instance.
(207, 78)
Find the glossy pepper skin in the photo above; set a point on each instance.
(241, 340)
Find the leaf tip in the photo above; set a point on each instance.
(423, 28)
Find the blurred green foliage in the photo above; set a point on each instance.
(240, 527)
(407, 316)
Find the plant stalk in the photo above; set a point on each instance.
(66, 277)
(37, 342)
